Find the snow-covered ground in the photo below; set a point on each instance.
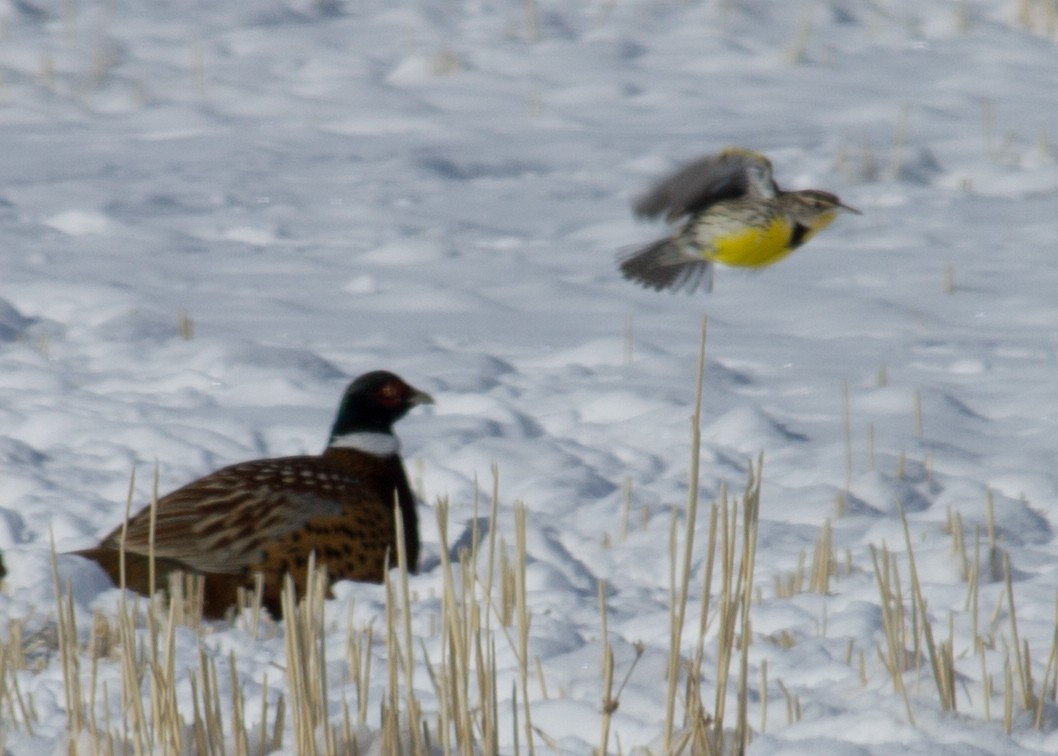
(438, 188)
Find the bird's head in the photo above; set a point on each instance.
(373, 402)
(815, 209)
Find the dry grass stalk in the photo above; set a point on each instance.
(824, 563)
(524, 618)
(305, 659)
(626, 508)
(187, 327)
(680, 583)
(413, 711)
(763, 696)
(358, 657)
(468, 656)
(895, 658)
(609, 701)
(1022, 668)
(958, 542)
(793, 703)
(750, 518)
(940, 659)
(1050, 675)
(986, 685)
(1008, 698)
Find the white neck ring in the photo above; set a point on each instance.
(376, 444)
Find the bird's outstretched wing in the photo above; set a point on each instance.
(732, 173)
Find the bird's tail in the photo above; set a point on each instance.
(661, 265)
(218, 592)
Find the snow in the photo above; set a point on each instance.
(311, 190)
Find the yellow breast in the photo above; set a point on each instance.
(751, 246)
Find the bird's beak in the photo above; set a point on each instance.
(419, 397)
(849, 208)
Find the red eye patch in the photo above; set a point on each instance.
(390, 395)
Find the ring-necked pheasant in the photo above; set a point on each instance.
(268, 515)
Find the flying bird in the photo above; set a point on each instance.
(735, 215)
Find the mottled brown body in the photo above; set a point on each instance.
(267, 517)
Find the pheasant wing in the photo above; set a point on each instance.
(222, 523)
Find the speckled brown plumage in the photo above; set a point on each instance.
(267, 516)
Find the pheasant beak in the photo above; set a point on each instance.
(419, 397)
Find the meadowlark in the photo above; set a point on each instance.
(736, 215)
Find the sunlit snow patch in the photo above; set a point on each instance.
(78, 222)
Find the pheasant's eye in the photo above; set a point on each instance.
(391, 394)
